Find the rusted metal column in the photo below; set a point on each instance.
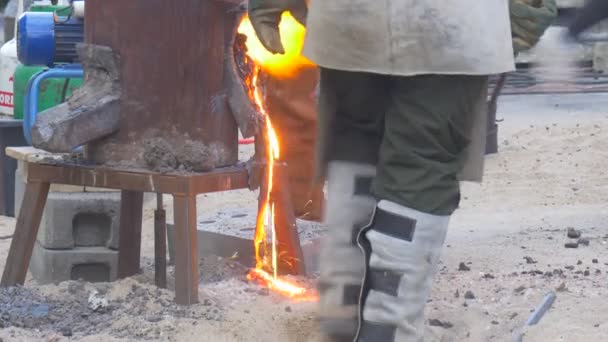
(129, 242)
(288, 240)
(291, 105)
(175, 60)
(289, 249)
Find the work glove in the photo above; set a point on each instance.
(265, 16)
(529, 21)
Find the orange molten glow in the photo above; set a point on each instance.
(266, 253)
(278, 65)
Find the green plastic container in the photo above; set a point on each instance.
(51, 90)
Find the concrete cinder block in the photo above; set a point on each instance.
(93, 264)
(81, 219)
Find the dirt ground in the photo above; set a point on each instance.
(509, 234)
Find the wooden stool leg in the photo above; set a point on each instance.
(26, 231)
(160, 244)
(129, 243)
(186, 254)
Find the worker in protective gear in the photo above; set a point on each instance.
(402, 119)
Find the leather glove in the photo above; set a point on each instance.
(529, 21)
(265, 16)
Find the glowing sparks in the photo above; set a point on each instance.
(266, 252)
(292, 37)
(282, 286)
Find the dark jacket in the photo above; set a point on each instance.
(594, 12)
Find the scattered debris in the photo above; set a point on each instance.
(562, 287)
(580, 262)
(495, 322)
(463, 267)
(573, 233)
(288, 309)
(583, 241)
(529, 260)
(595, 261)
(439, 323)
(190, 156)
(469, 295)
(488, 276)
(67, 332)
(586, 273)
(513, 315)
(571, 245)
(457, 294)
(97, 302)
(520, 289)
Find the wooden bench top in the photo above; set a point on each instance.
(31, 154)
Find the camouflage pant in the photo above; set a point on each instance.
(415, 129)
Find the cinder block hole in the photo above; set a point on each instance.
(91, 229)
(94, 273)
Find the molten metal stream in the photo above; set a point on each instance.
(267, 257)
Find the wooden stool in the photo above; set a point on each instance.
(43, 171)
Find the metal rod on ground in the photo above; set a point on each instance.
(538, 313)
(160, 243)
(492, 131)
(541, 309)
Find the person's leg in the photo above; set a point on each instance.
(351, 116)
(427, 131)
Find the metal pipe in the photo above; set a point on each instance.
(30, 103)
(536, 316)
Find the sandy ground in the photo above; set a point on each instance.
(510, 233)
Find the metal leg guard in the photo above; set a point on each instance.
(402, 248)
(349, 209)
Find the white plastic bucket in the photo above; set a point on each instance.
(8, 65)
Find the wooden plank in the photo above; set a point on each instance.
(26, 231)
(186, 255)
(160, 243)
(144, 181)
(31, 154)
(222, 180)
(129, 244)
